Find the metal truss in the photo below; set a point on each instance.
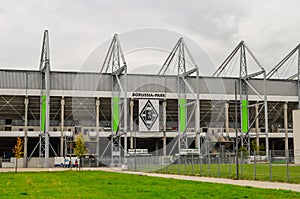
(41, 145)
(44, 102)
(115, 64)
(180, 56)
(213, 105)
(80, 106)
(208, 141)
(284, 70)
(9, 103)
(244, 85)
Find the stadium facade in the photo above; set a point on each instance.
(163, 114)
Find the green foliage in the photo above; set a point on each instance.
(260, 150)
(98, 184)
(262, 147)
(243, 149)
(243, 152)
(254, 146)
(79, 149)
(17, 150)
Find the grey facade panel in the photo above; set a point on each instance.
(274, 87)
(34, 80)
(62, 81)
(211, 85)
(10, 79)
(19, 80)
(104, 83)
(80, 81)
(141, 83)
(283, 88)
(86, 82)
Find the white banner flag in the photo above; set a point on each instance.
(148, 115)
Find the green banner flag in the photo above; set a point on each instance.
(245, 116)
(182, 114)
(116, 114)
(43, 113)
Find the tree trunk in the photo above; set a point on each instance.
(16, 165)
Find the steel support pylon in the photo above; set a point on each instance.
(45, 100)
(279, 66)
(182, 136)
(182, 55)
(244, 86)
(115, 64)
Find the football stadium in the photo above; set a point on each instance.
(172, 112)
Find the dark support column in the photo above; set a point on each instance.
(25, 131)
(62, 105)
(97, 128)
(257, 124)
(164, 128)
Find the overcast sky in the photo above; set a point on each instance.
(77, 27)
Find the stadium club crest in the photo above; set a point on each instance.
(148, 115)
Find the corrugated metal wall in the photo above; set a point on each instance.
(80, 81)
(19, 79)
(10, 79)
(34, 80)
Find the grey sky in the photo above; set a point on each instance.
(78, 27)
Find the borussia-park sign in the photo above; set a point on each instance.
(148, 95)
(149, 114)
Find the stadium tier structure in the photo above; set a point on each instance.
(172, 112)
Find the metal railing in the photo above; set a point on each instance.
(257, 166)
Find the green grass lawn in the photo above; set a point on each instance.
(246, 171)
(98, 184)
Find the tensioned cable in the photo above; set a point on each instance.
(290, 65)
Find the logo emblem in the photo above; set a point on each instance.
(149, 115)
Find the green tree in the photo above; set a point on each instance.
(79, 149)
(243, 152)
(260, 150)
(254, 146)
(17, 150)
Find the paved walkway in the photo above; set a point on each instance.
(251, 183)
